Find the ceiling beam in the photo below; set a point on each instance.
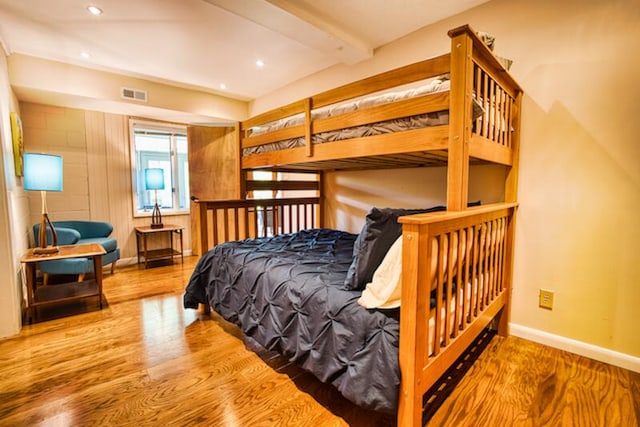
(301, 25)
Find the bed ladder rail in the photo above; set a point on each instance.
(441, 251)
(225, 220)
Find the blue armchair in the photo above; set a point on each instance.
(78, 232)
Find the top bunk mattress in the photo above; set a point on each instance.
(435, 85)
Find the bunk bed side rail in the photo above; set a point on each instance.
(411, 73)
(225, 220)
(440, 251)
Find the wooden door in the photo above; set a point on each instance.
(214, 170)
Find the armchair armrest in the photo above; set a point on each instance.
(67, 236)
(98, 229)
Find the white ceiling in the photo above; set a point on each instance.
(204, 43)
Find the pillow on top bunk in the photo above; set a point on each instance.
(487, 39)
(490, 41)
(380, 230)
(505, 62)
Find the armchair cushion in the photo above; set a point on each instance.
(107, 243)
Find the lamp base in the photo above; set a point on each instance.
(46, 251)
(156, 217)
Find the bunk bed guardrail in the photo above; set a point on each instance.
(225, 220)
(440, 251)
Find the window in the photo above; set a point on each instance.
(163, 146)
(264, 176)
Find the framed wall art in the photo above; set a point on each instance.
(18, 143)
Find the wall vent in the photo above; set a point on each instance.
(133, 94)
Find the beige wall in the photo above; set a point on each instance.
(97, 169)
(579, 186)
(13, 215)
(42, 81)
(350, 195)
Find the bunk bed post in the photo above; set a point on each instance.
(241, 175)
(511, 184)
(413, 327)
(505, 313)
(321, 199)
(511, 195)
(459, 119)
(307, 128)
(204, 227)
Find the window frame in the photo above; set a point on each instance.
(171, 128)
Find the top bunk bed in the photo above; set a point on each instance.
(463, 104)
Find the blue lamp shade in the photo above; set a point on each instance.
(42, 172)
(154, 179)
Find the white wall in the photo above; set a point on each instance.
(579, 186)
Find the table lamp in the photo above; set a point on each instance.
(154, 180)
(43, 172)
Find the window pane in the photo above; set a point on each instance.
(164, 148)
(164, 196)
(153, 151)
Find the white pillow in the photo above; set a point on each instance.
(385, 289)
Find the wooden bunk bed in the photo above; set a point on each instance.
(477, 241)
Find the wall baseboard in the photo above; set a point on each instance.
(591, 351)
(122, 262)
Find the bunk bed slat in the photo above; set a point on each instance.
(405, 108)
(269, 116)
(276, 135)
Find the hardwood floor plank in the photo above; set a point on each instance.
(144, 360)
(634, 384)
(520, 383)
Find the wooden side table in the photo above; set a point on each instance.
(46, 295)
(158, 254)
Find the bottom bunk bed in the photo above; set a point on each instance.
(380, 315)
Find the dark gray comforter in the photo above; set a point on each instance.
(287, 293)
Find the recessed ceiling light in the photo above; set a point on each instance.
(85, 55)
(223, 86)
(94, 10)
(259, 63)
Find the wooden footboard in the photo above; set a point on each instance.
(464, 260)
(224, 220)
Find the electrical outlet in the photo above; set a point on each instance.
(546, 299)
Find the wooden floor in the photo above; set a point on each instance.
(144, 360)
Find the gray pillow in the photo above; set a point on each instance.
(380, 230)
